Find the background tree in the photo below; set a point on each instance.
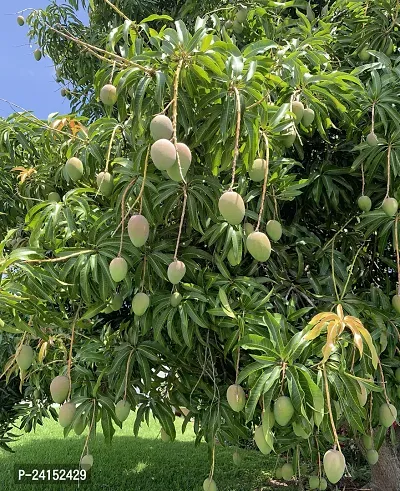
(292, 110)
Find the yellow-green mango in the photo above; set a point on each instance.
(108, 95)
(138, 230)
(231, 206)
(161, 127)
(163, 154)
(59, 388)
(334, 465)
(122, 410)
(140, 303)
(283, 410)
(66, 414)
(176, 271)
(258, 246)
(25, 357)
(74, 168)
(236, 397)
(274, 230)
(185, 159)
(118, 269)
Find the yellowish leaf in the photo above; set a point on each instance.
(323, 316)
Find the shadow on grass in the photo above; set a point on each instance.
(139, 464)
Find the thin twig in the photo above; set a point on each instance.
(264, 189)
(237, 136)
(351, 270)
(260, 101)
(56, 259)
(333, 272)
(337, 233)
(93, 49)
(39, 121)
(117, 10)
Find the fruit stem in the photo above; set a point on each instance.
(319, 458)
(292, 97)
(70, 353)
(143, 273)
(117, 10)
(362, 179)
(396, 241)
(126, 374)
(212, 461)
(112, 73)
(175, 142)
(276, 214)
(298, 462)
(373, 117)
(284, 365)
(166, 108)
(388, 171)
(264, 190)
(139, 196)
(370, 414)
(181, 223)
(122, 213)
(175, 116)
(328, 401)
(237, 135)
(237, 362)
(85, 446)
(110, 146)
(383, 382)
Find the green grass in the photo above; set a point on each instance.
(144, 463)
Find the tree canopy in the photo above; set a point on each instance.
(254, 151)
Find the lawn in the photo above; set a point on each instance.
(144, 463)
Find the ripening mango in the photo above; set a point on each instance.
(108, 95)
(231, 207)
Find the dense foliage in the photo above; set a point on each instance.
(232, 91)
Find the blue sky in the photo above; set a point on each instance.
(29, 83)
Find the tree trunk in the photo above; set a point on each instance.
(385, 475)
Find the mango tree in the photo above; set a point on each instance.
(214, 228)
